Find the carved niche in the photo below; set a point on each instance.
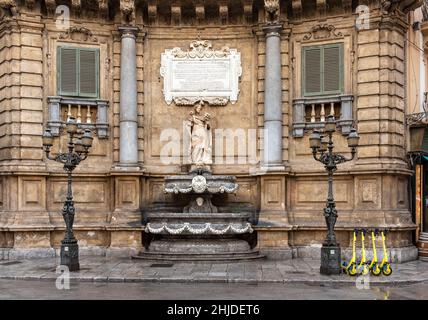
(201, 74)
(322, 31)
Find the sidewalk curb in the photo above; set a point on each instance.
(116, 279)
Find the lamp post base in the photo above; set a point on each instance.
(70, 254)
(330, 260)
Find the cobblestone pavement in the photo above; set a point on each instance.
(299, 271)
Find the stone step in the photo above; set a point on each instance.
(186, 257)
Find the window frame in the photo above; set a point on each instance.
(78, 94)
(322, 48)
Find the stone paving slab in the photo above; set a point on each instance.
(102, 269)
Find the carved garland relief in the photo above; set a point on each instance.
(322, 31)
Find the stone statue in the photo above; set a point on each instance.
(127, 8)
(198, 131)
(389, 6)
(272, 10)
(9, 6)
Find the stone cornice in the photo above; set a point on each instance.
(245, 11)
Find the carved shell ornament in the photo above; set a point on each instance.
(199, 184)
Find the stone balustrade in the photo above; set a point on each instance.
(310, 113)
(90, 113)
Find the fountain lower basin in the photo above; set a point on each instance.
(200, 232)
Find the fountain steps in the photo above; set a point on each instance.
(185, 257)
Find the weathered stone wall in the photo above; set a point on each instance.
(371, 191)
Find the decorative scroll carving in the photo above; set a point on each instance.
(248, 10)
(152, 10)
(50, 6)
(321, 6)
(347, 5)
(200, 49)
(76, 6)
(78, 33)
(201, 74)
(9, 6)
(200, 11)
(30, 3)
(297, 7)
(223, 11)
(322, 31)
(103, 7)
(176, 13)
(390, 6)
(272, 11)
(127, 8)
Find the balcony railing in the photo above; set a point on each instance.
(310, 113)
(89, 113)
(419, 117)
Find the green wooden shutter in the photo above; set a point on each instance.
(311, 71)
(322, 70)
(332, 69)
(88, 67)
(78, 72)
(67, 71)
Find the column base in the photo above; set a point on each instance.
(125, 167)
(70, 254)
(271, 168)
(330, 260)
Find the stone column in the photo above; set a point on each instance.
(272, 159)
(128, 143)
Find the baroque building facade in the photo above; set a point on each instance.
(301, 60)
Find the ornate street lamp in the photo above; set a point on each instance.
(79, 143)
(322, 150)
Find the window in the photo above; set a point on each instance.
(322, 70)
(78, 72)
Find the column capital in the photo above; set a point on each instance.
(128, 31)
(272, 29)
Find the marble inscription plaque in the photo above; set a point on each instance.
(201, 73)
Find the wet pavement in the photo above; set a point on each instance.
(33, 289)
(113, 270)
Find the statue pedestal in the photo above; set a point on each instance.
(200, 232)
